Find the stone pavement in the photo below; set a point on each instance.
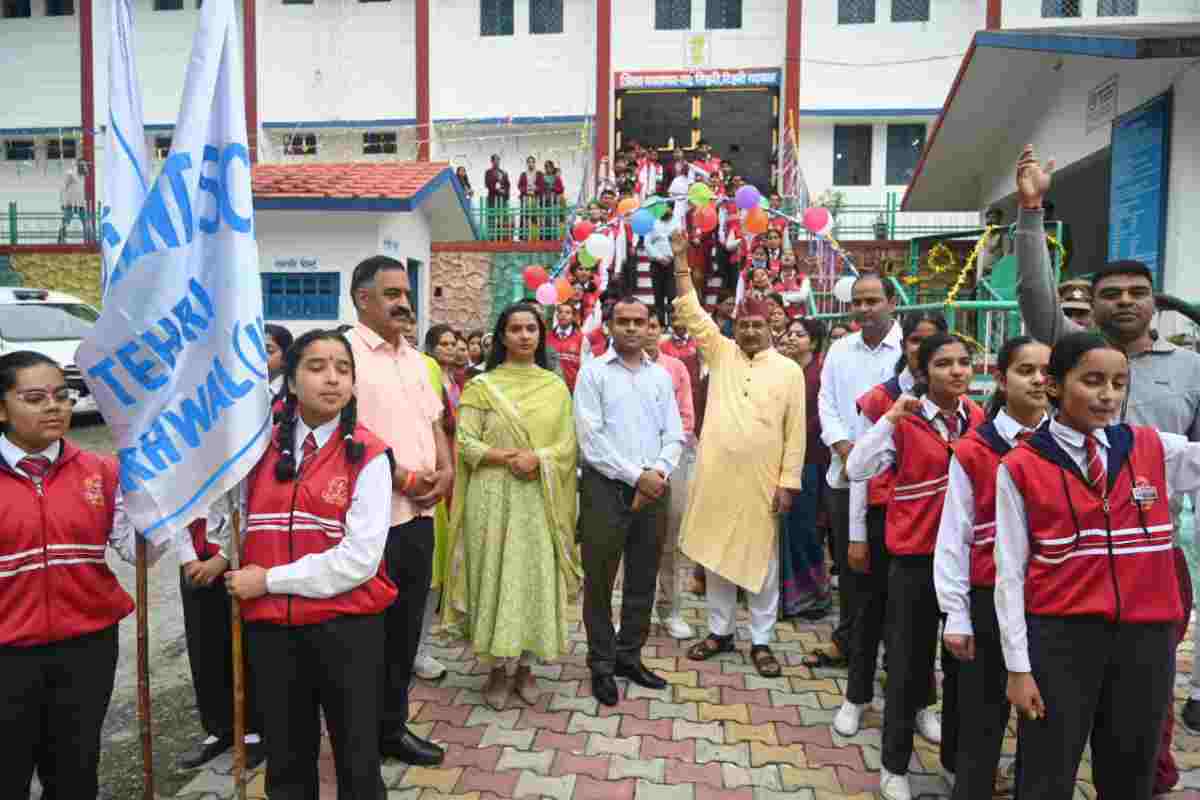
(718, 732)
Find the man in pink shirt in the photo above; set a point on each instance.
(668, 575)
(396, 401)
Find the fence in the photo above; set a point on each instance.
(73, 226)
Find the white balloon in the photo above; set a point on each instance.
(843, 288)
(599, 246)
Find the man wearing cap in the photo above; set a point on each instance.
(1075, 299)
(748, 466)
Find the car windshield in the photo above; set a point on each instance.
(41, 322)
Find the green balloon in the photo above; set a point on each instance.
(764, 203)
(700, 195)
(659, 210)
(586, 258)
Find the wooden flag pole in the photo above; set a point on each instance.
(143, 672)
(239, 665)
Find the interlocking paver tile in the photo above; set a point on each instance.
(761, 754)
(666, 710)
(632, 726)
(533, 785)
(487, 716)
(690, 772)
(583, 723)
(734, 776)
(587, 788)
(821, 756)
(651, 769)
(573, 764)
(736, 713)
(695, 694)
(587, 705)
(737, 732)
(798, 778)
(552, 740)
(495, 735)
(635, 692)
(476, 780)
(484, 758)
(760, 715)
(803, 699)
(686, 678)
(529, 761)
(599, 745)
(733, 753)
(713, 678)
(657, 791)
(705, 792)
(444, 780)
(683, 729)
(547, 721)
(627, 708)
(432, 712)
(452, 734)
(855, 780)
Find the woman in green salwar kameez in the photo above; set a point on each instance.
(514, 563)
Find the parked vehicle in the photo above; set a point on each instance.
(51, 323)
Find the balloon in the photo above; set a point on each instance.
(547, 294)
(756, 221)
(700, 195)
(705, 218)
(582, 230)
(764, 203)
(747, 197)
(659, 209)
(817, 218)
(599, 246)
(535, 276)
(564, 289)
(627, 206)
(843, 288)
(642, 222)
(586, 258)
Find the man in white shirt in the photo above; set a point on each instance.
(662, 262)
(855, 363)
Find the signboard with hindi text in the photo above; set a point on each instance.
(1137, 203)
(699, 79)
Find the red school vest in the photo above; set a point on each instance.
(569, 353)
(200, 543)
(914, 510)
(54, 581)
(979, 454)
(287, 521)
(1089, 556)
(873, 404)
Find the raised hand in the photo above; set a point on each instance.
(1033, 180)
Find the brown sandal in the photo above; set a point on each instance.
(711, 646)
(495, 691)
(765, 661)
(526, 686)
(821, 659)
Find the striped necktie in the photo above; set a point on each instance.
(36, 467)
(309, 449)
(1095, 465)
(951, 423)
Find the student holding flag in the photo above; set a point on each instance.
(59, 601)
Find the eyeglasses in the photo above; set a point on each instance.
(41, 398)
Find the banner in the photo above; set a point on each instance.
(177, 361)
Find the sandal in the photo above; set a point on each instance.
(711, 646)
(495, 692)
(821, 659)
(765, 661)
(526, 686)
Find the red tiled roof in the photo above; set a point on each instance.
(392, 180)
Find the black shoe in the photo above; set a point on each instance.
(204, 753)
(640, 675)
(604, 689)
(1191, 715)
(256, 753)
(411, 749)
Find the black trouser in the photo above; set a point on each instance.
(208, 627)
(335, 667)
(912, 637)
(608, 530)
(848, 594)
(662, 276)
(983, 703)
(409, 561)
(1109, 680)
(53, 699)
(872, 591)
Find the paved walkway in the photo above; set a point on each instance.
(718, 732)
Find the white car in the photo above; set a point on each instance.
(51, 323)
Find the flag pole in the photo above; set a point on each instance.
(143, 672)
(239, 665)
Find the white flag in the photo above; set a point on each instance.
(127, 176)
(176, 360)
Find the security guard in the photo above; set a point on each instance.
(1076, 299)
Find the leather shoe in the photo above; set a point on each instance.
(412, 749)
(640, 675)
(604, 689)
(1191, 715)
(203, 753)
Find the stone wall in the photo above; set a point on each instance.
(73, 273)
(462, 292)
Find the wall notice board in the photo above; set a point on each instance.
(1137, 202)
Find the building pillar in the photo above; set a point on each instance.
(424, 122)
(791, 63)
(603, 120)
(87, 101)
(250, 74)
(994, 14)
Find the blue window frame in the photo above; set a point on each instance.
(301, 295)
(856, 12)
(904, 146)
(1117, 8)
(723, 14)
(672, 15)
(545, 16)
(496, 18)
(1052, 9)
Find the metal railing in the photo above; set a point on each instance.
(75, 225)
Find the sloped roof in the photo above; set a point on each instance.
(396, 180)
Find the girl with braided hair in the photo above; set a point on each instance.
(317, 508)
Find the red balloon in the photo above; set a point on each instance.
(582, 230)
(535, 276)
(816, 219)
(705, 218)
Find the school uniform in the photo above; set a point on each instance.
(59, 609)
(919, 447)
(321, 538)
(964, 575)
(1087, 598)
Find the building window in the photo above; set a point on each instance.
(545, 16)
(297, 2)
(14, 9)
(496, 18)
(852, 155)
(58, 149)
(904, 146)
(910, 10)
(379, 143)
(673, 15)
(1117, 8)
(303, 295)
(162, 147)
(19, 150)
(168, 5)
(60, 8)
(1061, 8)
(720, 14)
(855, 12)
(299, 144)
(374, 1)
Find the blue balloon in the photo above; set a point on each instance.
(642, 222)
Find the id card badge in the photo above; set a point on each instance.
(1145, 494)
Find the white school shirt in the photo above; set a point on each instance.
(355, 559)
(859, 489)
(1182, 468)
(956, 535)
(876, 449)
(851, 368)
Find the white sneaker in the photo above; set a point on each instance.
(848, 718)
(893, 787)
(929, 726)
(428, 668)
(678, 628)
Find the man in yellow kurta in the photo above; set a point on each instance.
(749, 463)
